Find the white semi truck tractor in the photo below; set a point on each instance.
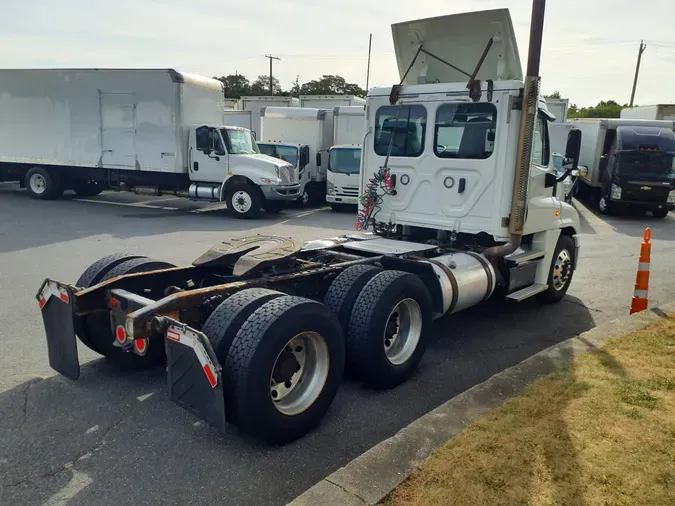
(148, 131)
(459, 207)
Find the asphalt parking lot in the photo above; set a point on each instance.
(114, 438)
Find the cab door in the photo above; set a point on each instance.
(208, 159)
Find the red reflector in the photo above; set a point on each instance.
(121, 334)
(140, 344)
(64, 297)
(210, 375)
(113, 301)
(42, 302)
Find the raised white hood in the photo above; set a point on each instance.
(459, 39)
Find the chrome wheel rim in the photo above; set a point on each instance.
(242, 201)
(37, 183)
(603, 205)
(562, 270)
(299, 373)
(305, 198)
(402, 331)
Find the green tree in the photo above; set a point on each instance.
(604, 109)
(235, 85)
(261, 86)
(555, 94)
(331, 85)
(295, 89)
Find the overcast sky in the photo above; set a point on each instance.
(589, 52)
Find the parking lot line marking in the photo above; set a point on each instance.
(141, 398)
(77, 483)
(127, 204)
(300, 215)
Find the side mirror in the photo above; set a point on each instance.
(550, 180)
(573, 148)
(318, 159)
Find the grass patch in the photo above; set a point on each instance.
(600, 432)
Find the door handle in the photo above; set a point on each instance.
(195, 166)
(462, 185)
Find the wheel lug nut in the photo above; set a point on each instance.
(288, 384)
(387, 343)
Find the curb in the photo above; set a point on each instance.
(369, 478)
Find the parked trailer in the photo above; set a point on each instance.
(258, 331)
(256, 104)
(344, 156)
(653, 112)
(329, 102)
(300, 135)
(149, 131)
(631, 164)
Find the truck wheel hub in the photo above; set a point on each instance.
(242, 201)
(299, 373)
(402, 331)
(37, 183)
(562, 270)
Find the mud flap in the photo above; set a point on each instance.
(194, 374)
(56, 302)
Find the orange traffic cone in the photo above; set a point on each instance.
(640, 296)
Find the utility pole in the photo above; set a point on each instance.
(271, 81)
(637, 71)
(370, 45)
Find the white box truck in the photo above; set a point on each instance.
(558, 107)
(150, 131)
(301, 136)
(630, 164)
(329, 102)
(231, 104)
(344, 156)
(243, 119)
(259, 330)
(658, 112)
(255, 104)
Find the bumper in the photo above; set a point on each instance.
(193, 372)
(644, 204)
(342, 199)
(289, 192)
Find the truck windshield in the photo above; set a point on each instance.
(649, 164)
(286, 153)
(239, 142)
(345, 160)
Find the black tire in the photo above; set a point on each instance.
(553, 294)
(222, 325)
(273, 206)
(46, 184)
(253, 356)
(87, 188)
(366, 356)
(344, 290)
(90, 277)
(660, 213)
(100, 334)
(251, 200)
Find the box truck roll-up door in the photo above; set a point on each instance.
(118, 129)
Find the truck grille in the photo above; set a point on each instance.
(638, 194)
(351, 191)
(287, 175)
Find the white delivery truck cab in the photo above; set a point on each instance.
(256, 104)
(329, 102)
(344, 156)
(150, 131)
(301, 136)
(653, 112)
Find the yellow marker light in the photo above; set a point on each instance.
(557, 213)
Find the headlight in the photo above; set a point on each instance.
(671, 197)
(615, 194)
(330, 188)
(270, 181)
(583, 171)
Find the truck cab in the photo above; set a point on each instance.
(342, 180)
(225, 164)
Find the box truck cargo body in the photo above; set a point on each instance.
(243, 119)
(558, 107)
(329, 102)
(305, 134)
(255, 104)
(344, 158)
(151, 131)
(631, 163)
(654, 112)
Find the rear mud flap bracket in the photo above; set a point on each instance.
(56, 302)
(194, 374)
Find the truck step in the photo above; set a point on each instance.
(527, 292)
(520, 256)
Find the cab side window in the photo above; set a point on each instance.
(540, 143)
